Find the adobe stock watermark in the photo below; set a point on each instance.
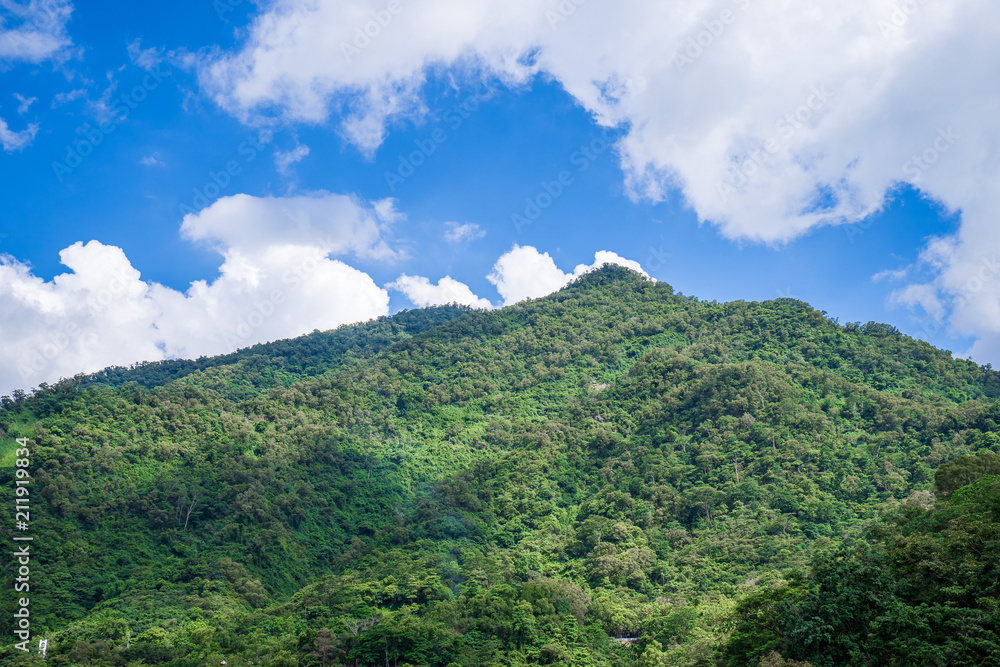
(90, 137)
(900, 16)
(915, 167)
(989, 269)
(371, 30)
(551, 190)
(22, 543)
(218, 180)
(658, 257)
(786, 127)
(712, 30)
(912, 171)
(407, 164)
(223, 7)
(562, 13)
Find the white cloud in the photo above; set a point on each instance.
(299, 59)
(60, 99)
(102, 108)
(144, 58)
(457, 233)
(283, 160)
(151, 160)
(519, 274)
(891, 274)
(335, 224)
(524, 273)
(24, 103)
(35, 31)
(277, 279)
(385, 210)
(422, 293)
(967, 267)
(697, 113)
(602, 257)
(16, 141)
(925, 296)
(769, 118)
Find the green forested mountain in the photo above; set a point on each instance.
(730, 484)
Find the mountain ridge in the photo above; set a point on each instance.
(506, 486)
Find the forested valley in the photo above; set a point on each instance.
(615, 474)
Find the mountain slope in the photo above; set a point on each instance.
(503, 487)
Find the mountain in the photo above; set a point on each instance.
(732, 484)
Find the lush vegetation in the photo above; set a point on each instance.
(729, 484)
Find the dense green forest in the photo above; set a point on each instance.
(732, 484)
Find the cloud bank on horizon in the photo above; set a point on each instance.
(770, 119)
(276, 281)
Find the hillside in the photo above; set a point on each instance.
(452, 487)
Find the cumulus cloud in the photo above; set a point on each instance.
(761, 143)
(34, 31)
(278, 278)
(525, 273)
(16, 141)
(423, 293)
(457, 233)
(302, 58)
(336, 224)
(770, 119)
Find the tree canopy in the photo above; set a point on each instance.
(719, 483)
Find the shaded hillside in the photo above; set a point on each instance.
(508, 487)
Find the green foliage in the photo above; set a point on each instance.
(964, 471)
(452, 487)
(925, 593)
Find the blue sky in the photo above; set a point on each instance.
(326, 184)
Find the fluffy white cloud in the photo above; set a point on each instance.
(303, 57)
(770, 118)
(34, 31)
(602, 257)
(15, 141)
(458, 233)
(277, 280)
(423, 293)
(524, 273)
(333, 223)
